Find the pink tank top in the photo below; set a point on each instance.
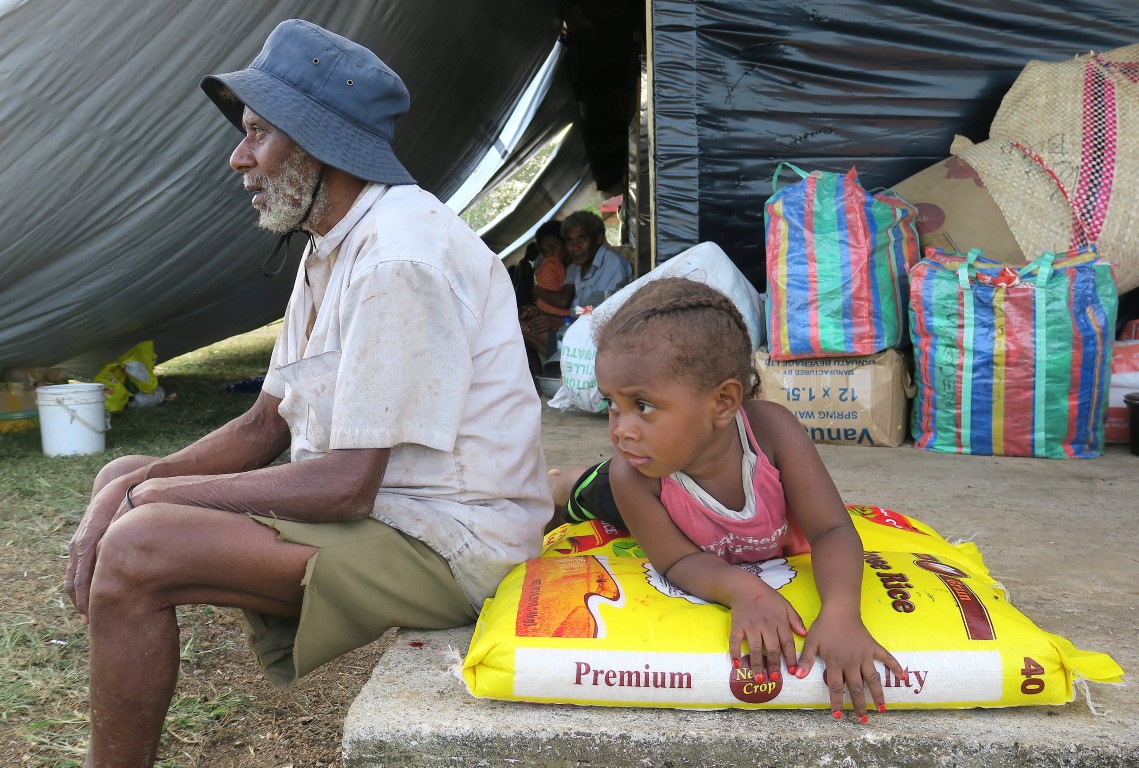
(765, 534)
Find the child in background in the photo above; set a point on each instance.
(705, 479)
(551, 306)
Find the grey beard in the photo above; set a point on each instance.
(289, 192)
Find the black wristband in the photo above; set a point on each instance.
(130, 504)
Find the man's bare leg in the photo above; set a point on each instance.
(155, 558)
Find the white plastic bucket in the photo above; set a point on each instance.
(72, 420)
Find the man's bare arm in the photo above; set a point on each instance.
(340, 485)
(252, 440)
(229, 469)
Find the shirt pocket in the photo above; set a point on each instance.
(307, 405)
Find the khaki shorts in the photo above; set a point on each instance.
(366, 578)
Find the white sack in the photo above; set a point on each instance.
(706, 263)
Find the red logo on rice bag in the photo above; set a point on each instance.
(974, 614)
(596, 535)
(747, 689)
(884, 517)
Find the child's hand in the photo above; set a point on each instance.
(767, 621)
(849, 652)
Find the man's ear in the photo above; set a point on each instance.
(728, 395)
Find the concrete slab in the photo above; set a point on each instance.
(1063, 536)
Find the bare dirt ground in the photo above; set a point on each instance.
(300, 727)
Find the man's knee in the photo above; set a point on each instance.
(131, 557)
(116, 468)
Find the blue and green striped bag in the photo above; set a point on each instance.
(1012, 360)
(837, 257)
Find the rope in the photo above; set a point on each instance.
(76, 417)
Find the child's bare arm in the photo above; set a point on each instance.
(760, 615)
(838, 635)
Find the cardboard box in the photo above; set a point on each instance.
(843, 401)
(957, 213)
(1124, 379)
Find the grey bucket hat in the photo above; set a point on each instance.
(333, 97)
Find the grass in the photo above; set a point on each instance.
(43, 645)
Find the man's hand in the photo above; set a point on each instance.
(107, 505)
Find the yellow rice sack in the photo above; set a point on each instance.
(592, 622)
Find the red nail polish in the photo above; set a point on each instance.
(864, 719)
(735, 663)
(837, 715)
(759, 677)
(793, 670)
(774, 677)
(882, 708)
(801, 673)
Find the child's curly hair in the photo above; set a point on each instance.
(707, 335)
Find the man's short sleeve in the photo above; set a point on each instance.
(406, 361)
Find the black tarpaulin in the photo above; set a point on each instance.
(125, 223)
(557, 110)
(739, 86)
(123, 220)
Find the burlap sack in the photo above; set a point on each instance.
(1080, 117)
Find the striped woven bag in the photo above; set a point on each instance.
(1012, 361)
(837, 257)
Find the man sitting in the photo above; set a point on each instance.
(597, 270)
(397, 384)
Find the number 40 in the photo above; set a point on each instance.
(1032, 683)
